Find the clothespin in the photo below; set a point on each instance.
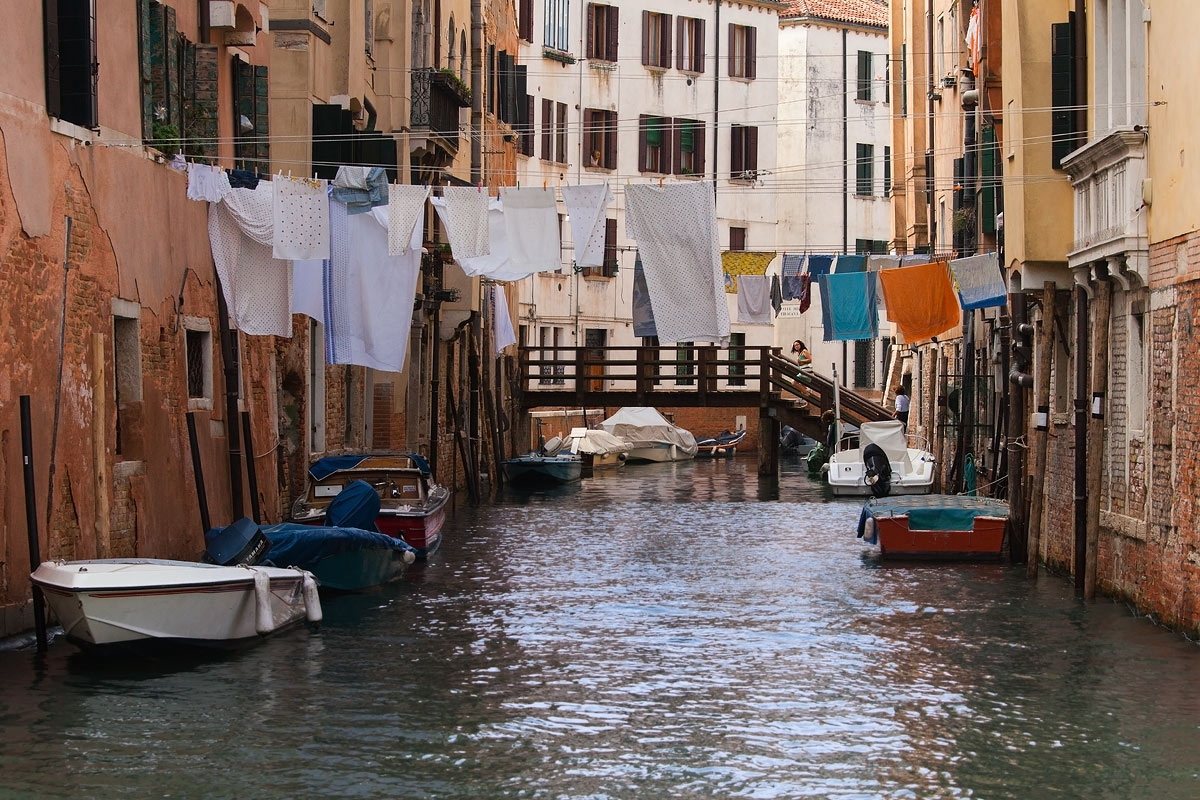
(660, 180)
(479, 187)
(544, 185)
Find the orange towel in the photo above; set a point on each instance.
(920, 300)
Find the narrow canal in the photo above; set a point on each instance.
(675, 631)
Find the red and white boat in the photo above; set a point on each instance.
(143, 601)
(412, 506)
(935, 526)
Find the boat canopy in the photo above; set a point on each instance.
(583, 440)
(934, 512)
(888, 435)
(356, 506)
(641, 426)
(324, 467)
(305, 546)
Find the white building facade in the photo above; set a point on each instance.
(833, 175)
(665, 90)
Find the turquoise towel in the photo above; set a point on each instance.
(849, 306)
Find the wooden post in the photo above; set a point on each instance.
(580, 374)
(1041, 432)
(103, 523)
(642, 381)
(764, 379)
(1095, 454)
(768, 443)
(705, 367)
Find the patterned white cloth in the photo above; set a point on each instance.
(254, 212)
(586, 205)
(368, 294)
(502, 327)
(676, 225)
(207, 183)
(496, 264)
(308, 289)
(257, 287)
(754, 300)
(301, 216)
(466, 221)
(531, 227)
(406, 205)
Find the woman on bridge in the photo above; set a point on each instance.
(803, 360)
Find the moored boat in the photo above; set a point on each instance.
(650, 436)
(607, 451)
(412, 504)
(155, 601)
(880, 461)
(342, 559)
(538, 469)
(935, 526)
(723, 445)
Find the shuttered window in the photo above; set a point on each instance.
(864, 75)
(71, 65)
(656, 40)
(602, 27)
(526, 134)
(560, 133)
(250, 117)
(742, 46)
(654, 144)
(689, 44)
(1063, 120)
(689, 147)
(864, 363)
(600, 137)
(865, 170)
(609, 269)
(525, 20)
(743, 152)
(547, 129)
(887, 171)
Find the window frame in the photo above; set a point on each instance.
(743, 44)
(656, 40)
(689, 55)
(655, 158)
(743, 152)
(603, 32)
(202, 398)
(696, 128)
(600, 133)
(864, 178)
(556, 27)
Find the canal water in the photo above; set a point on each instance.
(675, 631)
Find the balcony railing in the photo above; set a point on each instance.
(436, 98)
(1107, 175)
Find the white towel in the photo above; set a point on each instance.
(301, 216)
(676, 226)
(586, 205)
(531, 226)
(496, 264)
(308, 289)
(502, 327)
(207, 183)
(466, 221)
(406, 205)
(257, 287)
(754, 300)
(368, 294)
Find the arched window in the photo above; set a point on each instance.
(450, 44)
(427, 34)
(418, 38)
(462, 55)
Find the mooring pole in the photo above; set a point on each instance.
(251, 471)
(198, 472)
(31, 526)
(1081, 419)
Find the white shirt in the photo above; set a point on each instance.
(901, 403)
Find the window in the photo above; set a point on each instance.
(656, 40)
(904, 80)
(546, 370)
(251, 130)
(865, 170)
(127, 380)
(887, 171)
(525, 20)
(741, 51)
(689, 45)
(71, 67)
(654, 144)
(1136, 378)
(560, 133)
(743, 153)
(547, 129)
(600, 137)
(198, 358)
(559, 369)
(602, 32)
(737, 238)
(737, 352)
(525, 146)
(885, 353)
(864, 75)
(870, 247)
(511, 83)
(1064, 121)
(609, 270)
(689, 147)
(490, 79)
(557, 26)
(685, 364)
(864, 363)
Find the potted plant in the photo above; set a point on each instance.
(451, 81)
(165, 138)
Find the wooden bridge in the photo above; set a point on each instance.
(690, 377)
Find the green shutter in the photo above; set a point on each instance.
(687, 137)
(987, 199)
(262, 125)
(144, 68)
(654, 132)
(1062, 91)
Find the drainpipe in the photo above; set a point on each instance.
(476, 91)
(930, 172)
(845, 176)
(716, 93)
(1082, 293)
(205, 30)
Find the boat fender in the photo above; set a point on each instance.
(312, 599)
(868, 531)
(409, 556)
(264, 620)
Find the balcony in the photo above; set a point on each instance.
(1110, 218)
(436, 98)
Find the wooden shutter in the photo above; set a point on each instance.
(525, 24)
(527, 127)
(679, 43)
(547, 128)
(50, 38)
(643, 143)
(590, 32)
(262, 117)
(698, 145)
(77, 66)
(752, 149)
(737, 238)
(698, 45)
(560, 134)
(646, 38)
(610, 248)
(864, 75)
(887, 167)
(751, 54)
(613, 32)
(736, 151)
(610, 139)
(665, 42)
(520, 87)
(732, 65)
(677, 144)
(667, 148)
(1062, 91)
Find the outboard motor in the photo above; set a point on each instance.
(241, 544)
(877, 470)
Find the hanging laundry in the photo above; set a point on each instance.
(754, 300)
(852, 310)
(643, 313)
(368, 294)
(979, 282)
(819, 265)
(586, 206)
(406, 207)
(676, 226)
(502, 327)
(496, 264)
(793, 265)
(826, 305)
(361, 188)
(848, 263)
(531, 228)
(207, 183)
(920, 300)
(743, 262)
(308, 289)
(243, 179)
(301, 217)
(257, 286)
(776, 295)
(254, 211)
(466, 220)
(793, 286)
(805, 292)
(876, 263)
(914, 260)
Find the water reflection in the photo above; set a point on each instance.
(666, 630)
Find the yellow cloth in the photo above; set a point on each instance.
(920, 300)
(743, 262)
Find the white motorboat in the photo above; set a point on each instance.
(127, 601)
(880, 461)
(607, 450)
(650, 436)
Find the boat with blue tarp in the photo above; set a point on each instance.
(935, 526)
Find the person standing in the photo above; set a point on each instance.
(902, 405)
